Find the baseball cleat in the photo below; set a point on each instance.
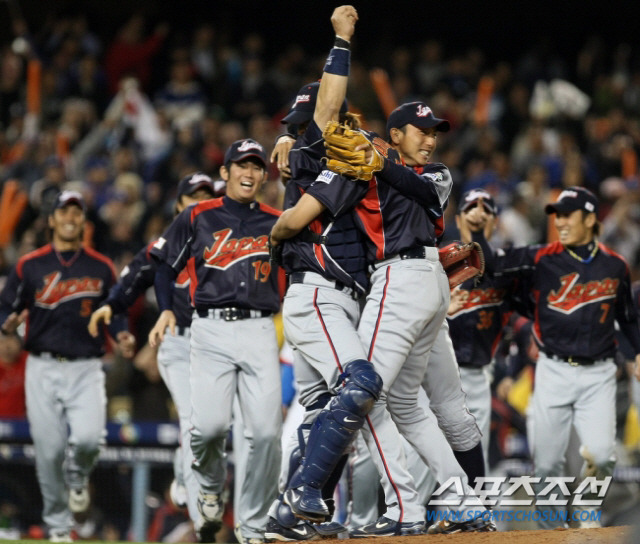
(79, 500)
(330, 529)
(477, 525)
(211, 507)
(279, 533)
(306, 503)
(388, 527)
(60, 536)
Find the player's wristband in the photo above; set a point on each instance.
(338, 62)
(341, 43)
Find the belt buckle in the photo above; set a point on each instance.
(230, 314)
(61, 359)
(572, 362)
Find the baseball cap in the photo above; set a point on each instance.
(417, 114)
(305, 103)
(572, 199)
(69, 197)
(191, 183)
(469, 199)
(242, 149)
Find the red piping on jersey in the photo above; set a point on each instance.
(32, 255)
(536, 319)
(316, 227)
(608, 251)
(505, 319)
(205, 205)
(93, 253)
(268, 209)
(191, 270)
(373, 433)
(370, 213)
(326, 332)
(550, 249)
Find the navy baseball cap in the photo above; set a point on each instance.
(417, 114)
(191, 183)
(305, 103)
(69, 197)
(470, 198)
(572, 199)
(243, 149)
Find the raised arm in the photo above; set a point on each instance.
(333, 85)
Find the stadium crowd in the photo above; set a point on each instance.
(123, 117)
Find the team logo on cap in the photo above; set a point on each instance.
(197, 178)
(476, 194)
(248, 145)
(567, 194)
(301, 98)
(423, 111)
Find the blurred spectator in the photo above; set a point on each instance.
(182, 99)
(130, 54)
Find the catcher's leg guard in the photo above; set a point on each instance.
(330, 436)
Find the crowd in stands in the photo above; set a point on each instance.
(123, 117)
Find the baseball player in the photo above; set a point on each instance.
(477, 320)
(173, 353)
(234, 352)
(579, 289)
(409, 297)
(56, 288)
(327, 274)
(438, 455)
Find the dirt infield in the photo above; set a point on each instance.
(606, 535)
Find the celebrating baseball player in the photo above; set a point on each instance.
(580, 288)
(173, 353)
(327, 274)
(56, 288)
(477, 319)
(234, 352)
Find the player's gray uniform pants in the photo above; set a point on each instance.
(564, 395)
(401, 320)
(477, 386)
(231, 358)
(173, 365)
(320, 324)
(61, 394)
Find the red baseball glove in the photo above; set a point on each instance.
(461, 262)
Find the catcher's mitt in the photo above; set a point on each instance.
(462, 262)
(340, 142)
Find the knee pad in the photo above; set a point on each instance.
(361, 373)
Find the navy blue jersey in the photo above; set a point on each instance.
(342, 255)
(574, 303)
(223, 245)
(476, 328)
(404, 207)
(138, 276)
(61, 291)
